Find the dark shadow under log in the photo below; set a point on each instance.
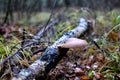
(51, 56)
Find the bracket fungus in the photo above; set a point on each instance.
(74, 43)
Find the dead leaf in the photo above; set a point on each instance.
(114, 36)
(2, 30)
(84, 78)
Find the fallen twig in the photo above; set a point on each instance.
(30, 43)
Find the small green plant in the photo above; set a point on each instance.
(115, 17)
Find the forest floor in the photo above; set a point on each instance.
(100, 60)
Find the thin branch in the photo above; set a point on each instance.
(30, 43)
(54, 4)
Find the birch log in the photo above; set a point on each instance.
(51, 56)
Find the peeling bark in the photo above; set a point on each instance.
(51, 56)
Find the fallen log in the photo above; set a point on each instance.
(51, 56)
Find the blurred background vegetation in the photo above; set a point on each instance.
(22, 9)
(20, 20)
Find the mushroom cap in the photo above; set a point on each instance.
(74, 43)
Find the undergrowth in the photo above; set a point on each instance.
(95, 63)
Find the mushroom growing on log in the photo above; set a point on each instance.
(51, 56)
